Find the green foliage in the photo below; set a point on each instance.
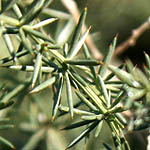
(80, 85)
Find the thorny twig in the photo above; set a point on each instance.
(73, 9)
(131, 41)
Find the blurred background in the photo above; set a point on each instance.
(107, 18)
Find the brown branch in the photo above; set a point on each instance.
(73, 9)
(131, 41)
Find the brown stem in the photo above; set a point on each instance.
(131, 41)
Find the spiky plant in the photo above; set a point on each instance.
(62, 64)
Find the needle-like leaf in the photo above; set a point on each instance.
(98, 129)
(84, 86)
(25, 41)
(83, 134)
(69, 94)
(86, 101)
(78, 124)
(56, 13)
(44, 85)
(57, 98)
(107, 146)
(107, 59)
(44, 23)
(79, 44)
(30, 68)
(34, 140)
(37, 67)
(124, 76)
(38, 34)
(10, 58)
(75, 110)
(9, 20)
(147, 58)
(84, 62)
(77, 32)
(33, 11)
(9, 144)
(6, 126)
(65, 33)
(5, 105)
(104, 90)
(14, 92)
(9, 46)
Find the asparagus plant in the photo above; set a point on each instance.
(62, 63)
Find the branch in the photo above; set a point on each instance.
(131, 41)
(73, 9)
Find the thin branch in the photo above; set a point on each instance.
(131, 41)
(73, 9)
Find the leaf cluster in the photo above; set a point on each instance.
(64, 62)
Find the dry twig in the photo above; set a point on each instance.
(131, 41)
